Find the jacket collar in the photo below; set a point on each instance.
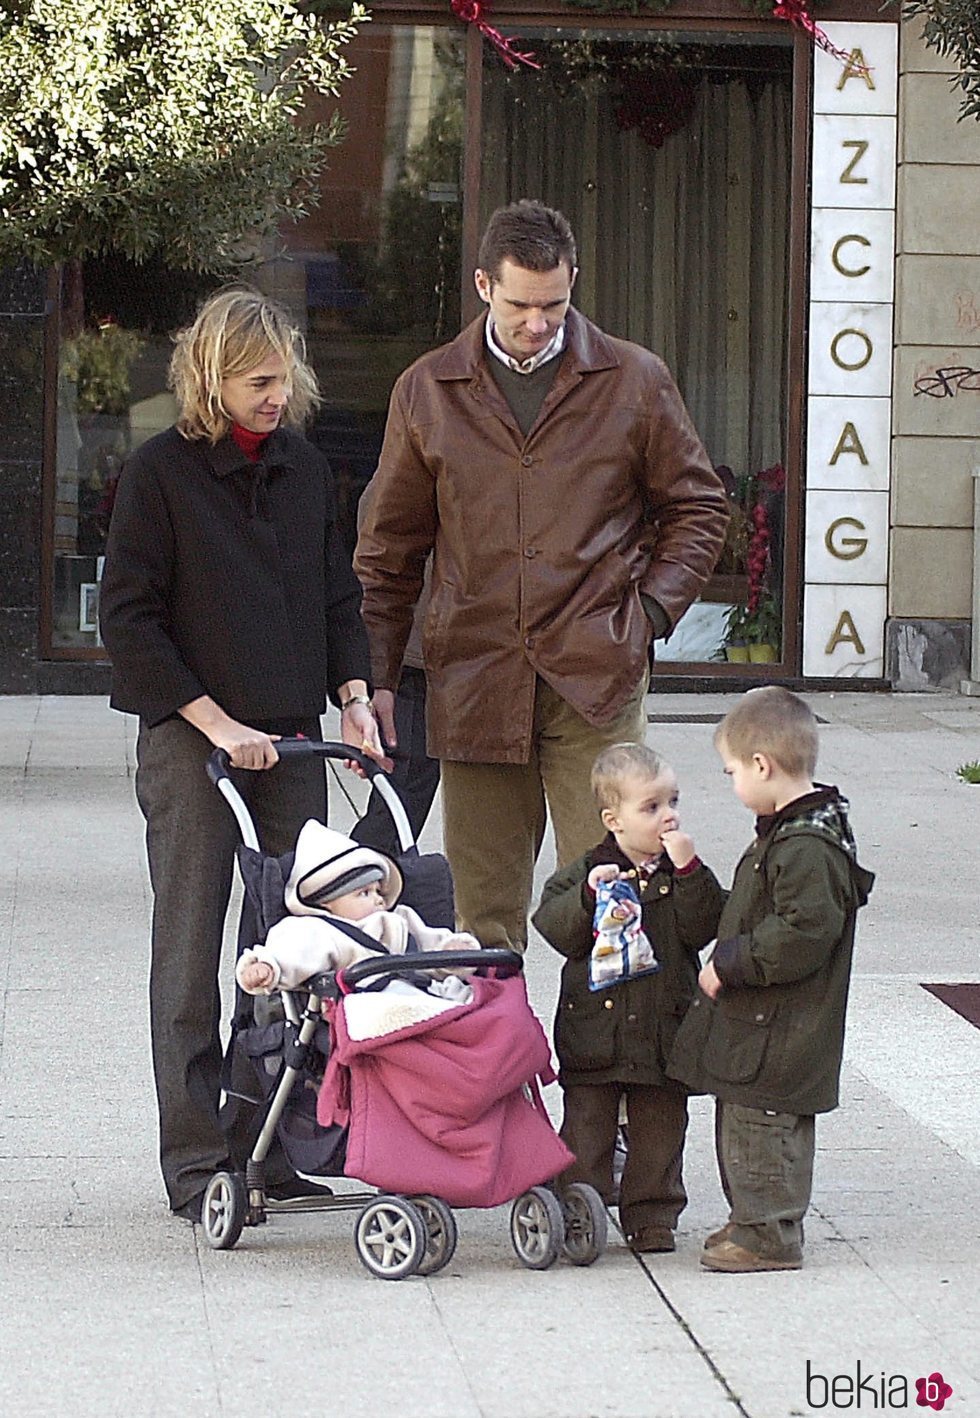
(226, 457)
(586, 349)
(822, 797)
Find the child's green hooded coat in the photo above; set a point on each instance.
(773, 1039)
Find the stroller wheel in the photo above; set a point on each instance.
(391, 1237)
(223, 1210)
(586, 1224)
(537, 1228)
(440, 1225)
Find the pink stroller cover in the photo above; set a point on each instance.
(439, 1107)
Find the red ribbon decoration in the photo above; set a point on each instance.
(471, 13)
(795, 11)
(798, 14)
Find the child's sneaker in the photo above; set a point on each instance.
(734, 1259)
(724, 1233)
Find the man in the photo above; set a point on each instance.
(573, 515)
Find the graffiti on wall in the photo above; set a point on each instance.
(946, 383)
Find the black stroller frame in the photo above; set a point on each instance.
(395, 1236)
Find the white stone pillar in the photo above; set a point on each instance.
(852, 272)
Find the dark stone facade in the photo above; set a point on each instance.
(23, 314)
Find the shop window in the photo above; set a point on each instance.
(114, 349)
(670, 154)
(372, 277)
(373, 274)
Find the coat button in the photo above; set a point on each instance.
(526, 460)
(664, 889)
(530, 552)
(607, 1004)
(757, 866)
(529, 641)
(631, 1018)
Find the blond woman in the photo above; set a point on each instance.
(230, 614)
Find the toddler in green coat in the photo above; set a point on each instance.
(612, 1042)
(766, 1033)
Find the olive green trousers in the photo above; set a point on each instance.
(495, 814)
(765, 1161)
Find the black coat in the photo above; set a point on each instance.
(228, 578)
(623, 1033)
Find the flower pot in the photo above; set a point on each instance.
(739, 654)
(763, 654)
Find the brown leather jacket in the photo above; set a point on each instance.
(542, 545)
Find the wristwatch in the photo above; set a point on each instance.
(357, 699)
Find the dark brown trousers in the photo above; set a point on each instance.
(652, 1190)
(191, 836)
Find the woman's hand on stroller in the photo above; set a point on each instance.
(246, 747)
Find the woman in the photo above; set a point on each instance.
(229, 611)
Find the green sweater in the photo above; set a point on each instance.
(525, 393)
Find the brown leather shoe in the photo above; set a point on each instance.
(733, 1259)
(651, 1238)
(716, 1237)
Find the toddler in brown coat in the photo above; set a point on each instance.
(613, 1041)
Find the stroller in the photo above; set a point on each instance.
(444, 1112)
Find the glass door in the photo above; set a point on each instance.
(670, 153)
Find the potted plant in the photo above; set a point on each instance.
(98, 361)
(763, 631)
(737, 634)
(753, 635)
(753, 627)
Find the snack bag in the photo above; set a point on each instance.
(622, 949)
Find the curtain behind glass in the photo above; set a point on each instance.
(683, 247)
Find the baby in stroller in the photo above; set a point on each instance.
(432, 1102)
(341, 898)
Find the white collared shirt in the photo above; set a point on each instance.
(533, 362)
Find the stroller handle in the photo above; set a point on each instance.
(219, 762)
(497, 957)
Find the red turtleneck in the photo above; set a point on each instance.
(250, 443)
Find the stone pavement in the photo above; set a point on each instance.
(108, 1306)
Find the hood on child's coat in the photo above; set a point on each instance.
(327, 864)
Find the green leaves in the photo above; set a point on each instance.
(952, 28)
(164, 126)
